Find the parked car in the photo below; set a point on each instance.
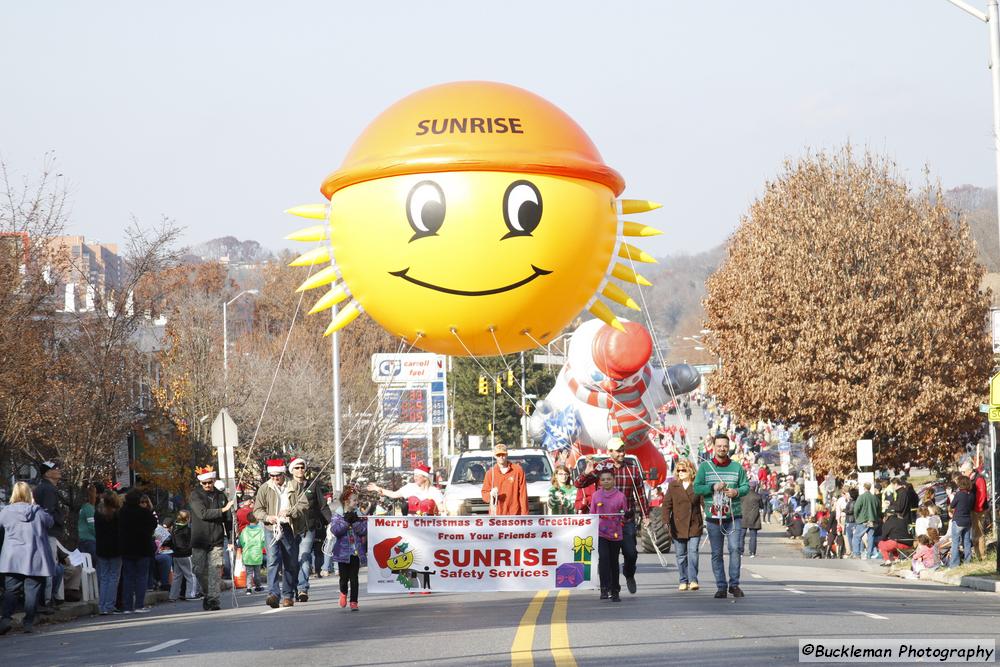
(463, 495)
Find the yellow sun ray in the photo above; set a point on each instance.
(315, 256)
(637, 206)
(622, 272)
(601, 311)
(343, 318)
(330, 299)
(311, 211)
(321, 278)
(310, 234)
(638, 229)
(627, 251)
(618, 295)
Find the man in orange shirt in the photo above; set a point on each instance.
(504, 487)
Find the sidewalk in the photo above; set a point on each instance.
(69, 611)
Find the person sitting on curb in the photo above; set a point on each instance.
(895, 536)
(812, 540)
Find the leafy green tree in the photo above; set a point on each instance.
(852, 305)
(475, 412)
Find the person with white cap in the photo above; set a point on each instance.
(422, 497)
(504, 486)
(315, 524)
(282, 507)
(210, 524)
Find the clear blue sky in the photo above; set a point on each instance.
(222, 114)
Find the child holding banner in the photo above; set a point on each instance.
(610, 504)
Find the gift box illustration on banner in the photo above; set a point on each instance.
(582, 549)
(570, 575)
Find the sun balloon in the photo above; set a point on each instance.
(473, 218)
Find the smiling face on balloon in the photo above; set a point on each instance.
(473, 218)
(473, 251)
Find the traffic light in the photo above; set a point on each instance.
(499, 387)
(510, 378)
(484, 388)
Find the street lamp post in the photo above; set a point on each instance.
(992, 20)
(225, 341)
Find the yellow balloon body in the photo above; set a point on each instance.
(429, 256)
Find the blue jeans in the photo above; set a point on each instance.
(961, 536)
(33, 589)
(109, 570)
(159, 571)
(89, 547)
(728, 532)
(687, 559)
(849, 530)
(753, 540)
(135, 573)
(282, 554)
(305, 559)
(863, 531)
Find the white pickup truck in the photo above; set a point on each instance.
(463, 496)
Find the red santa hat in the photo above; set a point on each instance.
(296, 461)
(275, 467)
(205, 473)
(383, 551)
(422, 469)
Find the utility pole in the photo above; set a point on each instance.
(338, 463)
(992, 20)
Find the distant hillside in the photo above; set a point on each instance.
(674, 301)
(978, 207)
(238, 252)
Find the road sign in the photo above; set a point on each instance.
(995, 321)
(549, 359)
(225, 437)
(995, 391)
(408, 367)
(995, 414)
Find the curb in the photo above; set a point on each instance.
(975, 583)
(69, 611)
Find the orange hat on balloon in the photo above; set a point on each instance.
(473, 126)
(473, 218)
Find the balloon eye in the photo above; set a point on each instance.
(425, 209)
(597, 376)
(522, 208)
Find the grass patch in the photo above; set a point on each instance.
(977, 568)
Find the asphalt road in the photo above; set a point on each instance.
(787, 598)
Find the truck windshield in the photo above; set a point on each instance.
(473, 470)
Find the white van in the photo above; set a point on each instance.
(463, 496)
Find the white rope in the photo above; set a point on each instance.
(483, 368)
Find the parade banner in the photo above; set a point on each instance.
(481, 553)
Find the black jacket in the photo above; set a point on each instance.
(106, 531)
(135, 531)
(849, 512)
(209, 524)
(47, 496)
(896, 528)
(317, 518)
(180, 541)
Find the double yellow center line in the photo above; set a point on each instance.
(521, 651)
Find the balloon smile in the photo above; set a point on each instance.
(402, 273)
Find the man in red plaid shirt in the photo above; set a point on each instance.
(628, 480)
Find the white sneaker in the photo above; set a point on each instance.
(144, 610)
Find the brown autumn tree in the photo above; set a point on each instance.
(852, 305)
